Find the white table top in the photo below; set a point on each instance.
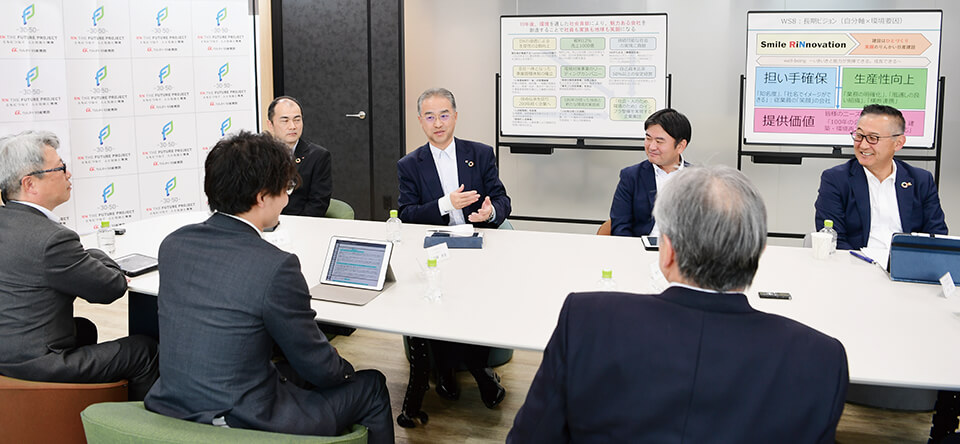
(509, 294)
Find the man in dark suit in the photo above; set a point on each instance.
(227, 297)
(667, 135)
(695, 363)
(450, 181)
(312, 197)
(873, 196)
(44, 268)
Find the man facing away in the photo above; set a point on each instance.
(695, 363)
(874, 196)
(44, 268)
(312, 197)
(227, 296)
(450, 181)
(667, 136)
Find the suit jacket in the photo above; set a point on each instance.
(844, 198)
(420, 185)
(682, 366)
(312, 197)
(226, 296)
(43, 269)
(631, 213)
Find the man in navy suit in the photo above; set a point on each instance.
(312, 197)
(667, 135)
(228, 297)
(694, 363)
(450, 181)
(873, 196)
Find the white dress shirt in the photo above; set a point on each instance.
(662, 177)
(884, 212)
(446, 161)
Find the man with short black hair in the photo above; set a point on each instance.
(44, 269)
(667, 135)
(875, 195)
(312, 197)
(227, 297)
(694, 363)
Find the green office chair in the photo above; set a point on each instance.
(506, 225)
(339, 209)
(130, 422)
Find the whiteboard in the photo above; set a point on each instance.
(592, 76)
(808, 74)
(137, 91)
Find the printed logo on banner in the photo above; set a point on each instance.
(28, 13)
(101, 74)
(104, 133)
(224, 70)
(225, 126)
(221, 15)
(167, 129)
(164, 72)
(162, 15)
(97, 15)
(32, 75)
(171, 184)
(107, 192)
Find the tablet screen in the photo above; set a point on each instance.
(357, 263)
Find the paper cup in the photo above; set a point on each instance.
(821, 244)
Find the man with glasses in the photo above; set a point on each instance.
(450, 181)
(312, 197)
(873, 196)
(44, 268)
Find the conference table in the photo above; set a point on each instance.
(509, 293)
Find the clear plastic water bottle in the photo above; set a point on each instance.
(107, 238)
(394, 228)
(433, 293)
(606, 282)
(828, 228)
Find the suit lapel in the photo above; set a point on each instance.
(904, 186)
(649, 179)
(861, 196)
(428, 173)
(465, 158)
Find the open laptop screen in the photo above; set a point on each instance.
(356, 263)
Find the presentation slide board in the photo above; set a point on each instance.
(594, 76)
(137, 91)
(809, 73)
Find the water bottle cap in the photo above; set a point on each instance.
(828, 223)
(393, 213)
(607, 273)
(432, 263)
(104, 224)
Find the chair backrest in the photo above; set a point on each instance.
(605, 228)
(506, 225)
(339, 209)
(128, 422)
(808, 240)
(50, 411)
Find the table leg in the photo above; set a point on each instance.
(142, 315)
(946, 416)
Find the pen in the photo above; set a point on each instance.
(862, 257)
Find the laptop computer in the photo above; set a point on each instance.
(355, 271)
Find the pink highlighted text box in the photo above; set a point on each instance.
(821, 121)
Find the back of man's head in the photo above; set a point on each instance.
(717, 224)
(21, 154)
(239, 167)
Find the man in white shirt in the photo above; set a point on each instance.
(873, 196)
(450, 181)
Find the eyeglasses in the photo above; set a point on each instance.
(430, 118)
(291, 186)
(62, 167)
(871, 139)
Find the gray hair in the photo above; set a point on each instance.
(717, 224)
(21, 154)
(437, 92)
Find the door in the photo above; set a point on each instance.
(342, 59)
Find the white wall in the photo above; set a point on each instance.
(454, 44)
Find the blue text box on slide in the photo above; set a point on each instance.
(796, 87)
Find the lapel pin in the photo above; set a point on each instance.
(469, 163)
(298, 159)
(906, 184)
